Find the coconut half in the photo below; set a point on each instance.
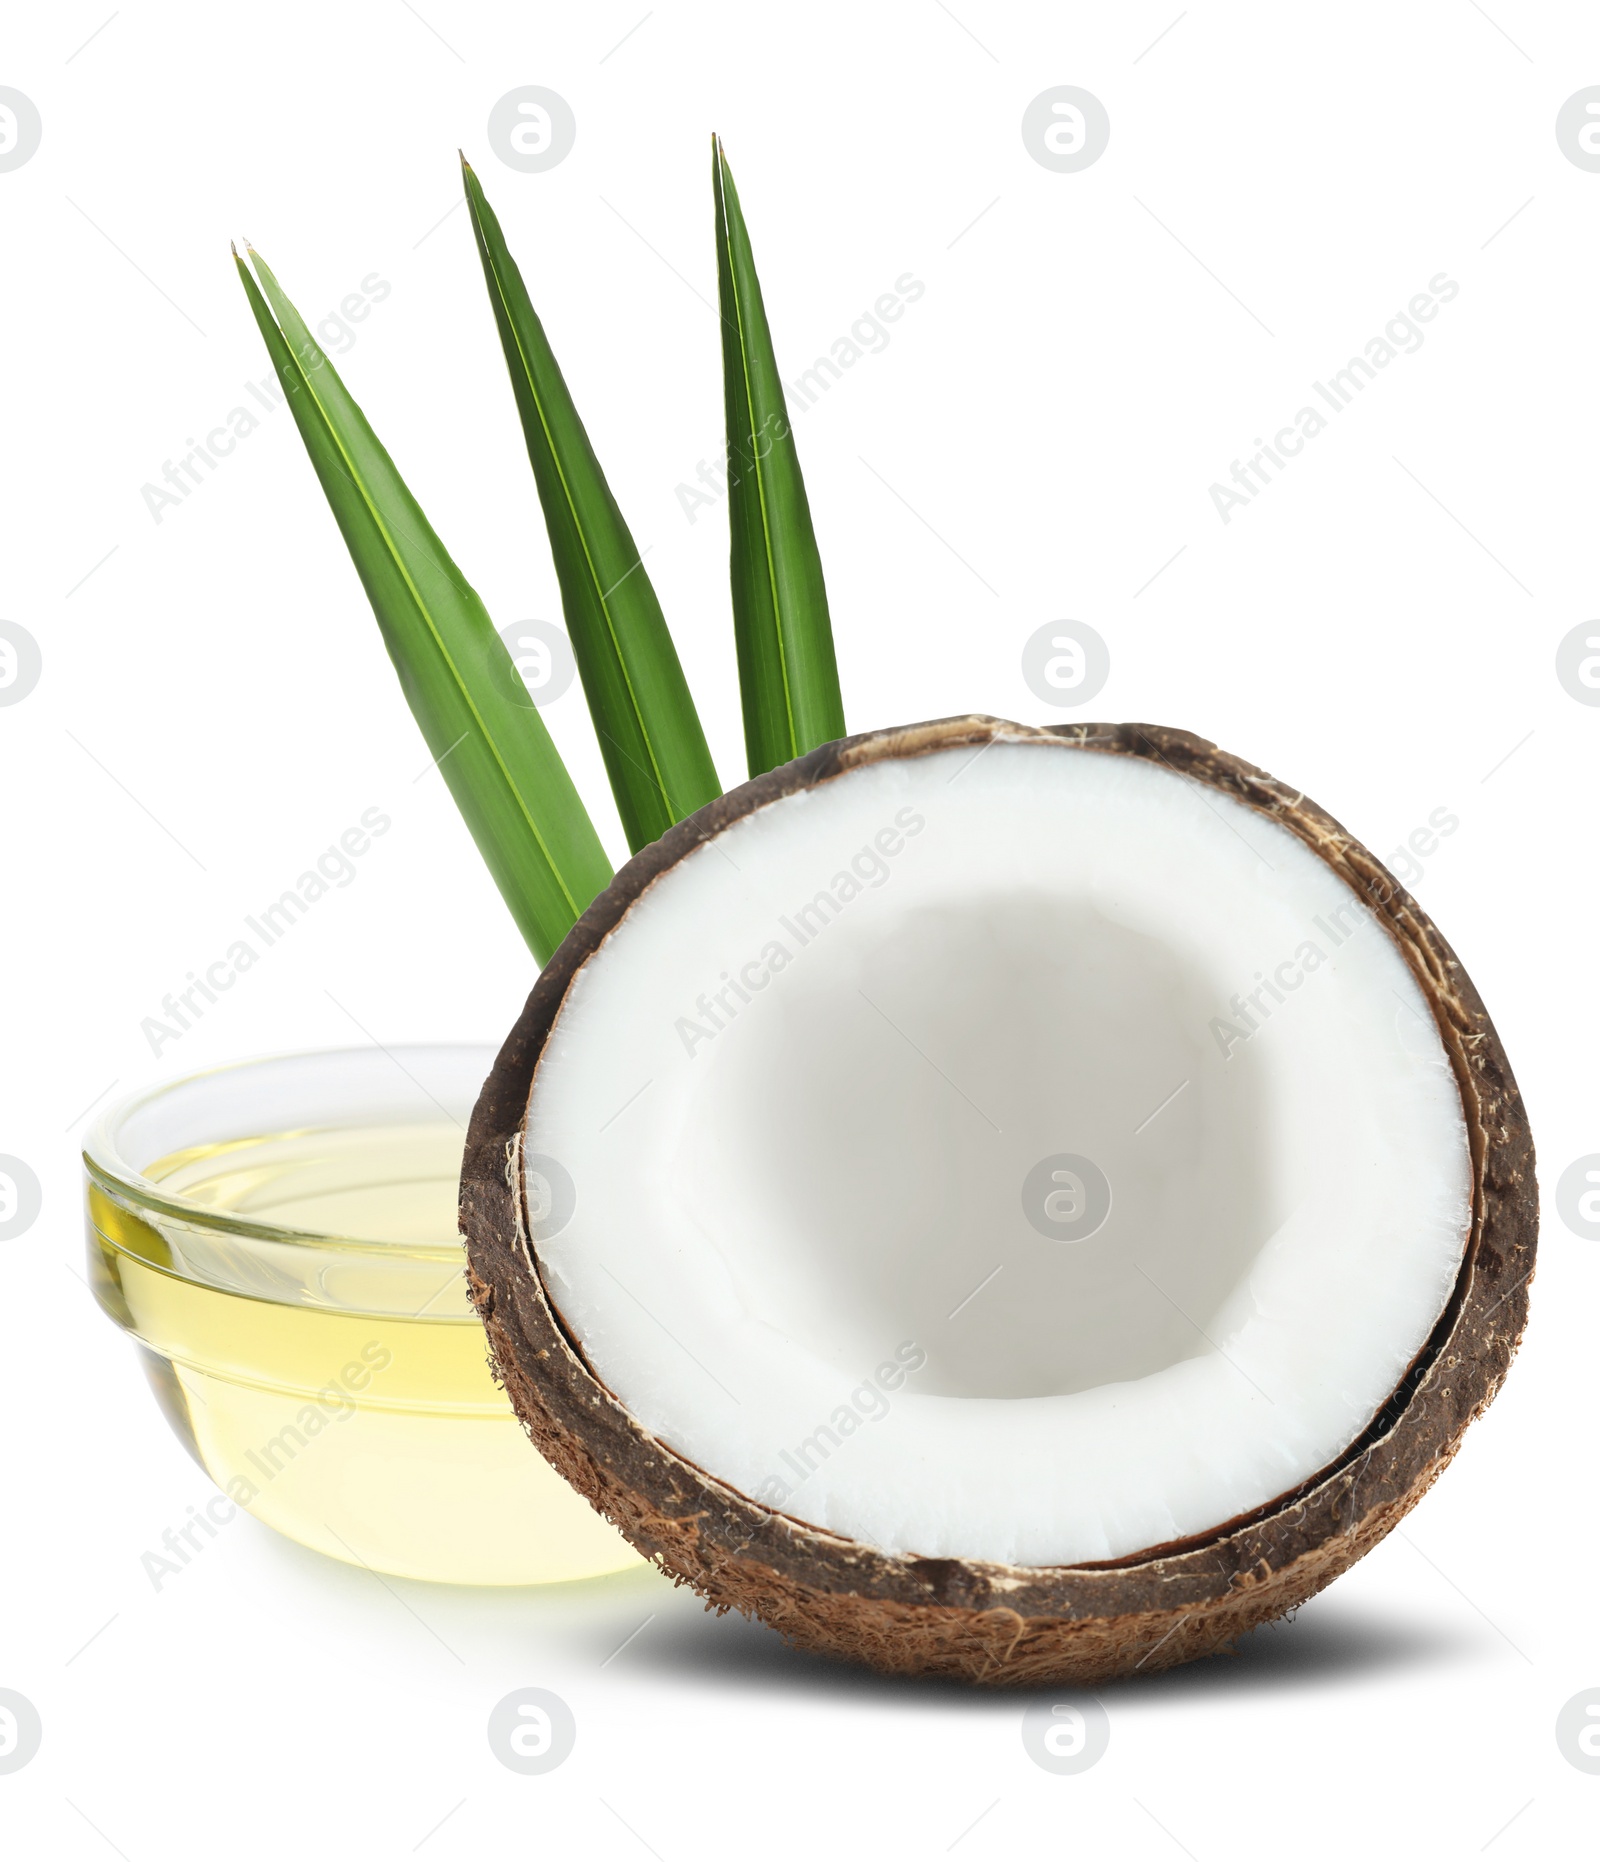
(1021, 1204)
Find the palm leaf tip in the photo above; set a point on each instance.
(788, 671)
(654, 749)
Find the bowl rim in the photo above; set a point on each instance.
(106, 1166)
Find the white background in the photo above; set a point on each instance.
(1090, 355)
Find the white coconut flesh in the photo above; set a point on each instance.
(843, 1098)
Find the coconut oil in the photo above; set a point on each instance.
(299, 1305)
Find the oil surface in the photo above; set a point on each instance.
(341, 1395)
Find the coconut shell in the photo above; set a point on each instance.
(993, 1623)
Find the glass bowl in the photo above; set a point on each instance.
(279, 1240)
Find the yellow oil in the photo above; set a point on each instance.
(335, 1385)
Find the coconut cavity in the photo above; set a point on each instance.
(1016, 1154)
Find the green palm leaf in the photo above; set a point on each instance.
(655, 751)
(788, 676)
(491, 745)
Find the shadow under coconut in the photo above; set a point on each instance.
(647, 1627)
(1322, 1645)
(1326, 1643)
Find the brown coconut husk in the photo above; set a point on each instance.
(986, 1622)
